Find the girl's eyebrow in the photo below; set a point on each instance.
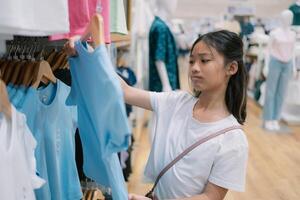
(201, 55)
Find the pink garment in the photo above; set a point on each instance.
(80, 13)
(282, 44)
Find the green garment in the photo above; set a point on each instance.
(117, 17)
(162, 47)
(296, 11)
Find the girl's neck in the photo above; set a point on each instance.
(212, 102)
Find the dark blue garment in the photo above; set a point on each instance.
(129, 77)
(162, 47)
(102, 120)
(127, 74)
(247, 28)
(296, 11)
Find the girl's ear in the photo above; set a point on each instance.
(232, 68)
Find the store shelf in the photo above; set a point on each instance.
(121, 40)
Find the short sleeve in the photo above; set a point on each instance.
(161, 101)
(230, 165)
(161, 48)
(72, 97)
(120, 133)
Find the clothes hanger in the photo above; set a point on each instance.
(17, 74)
(95, 30)
(98, 195)
(60, 58)
(5, 106)
(5, 65)
(56, 56)
(44, 74)
(65, 64)
(51, 56)
(30, 74)
(2, 60)
(9, 71)
(24, 68)
(11, 66)
(30, 71)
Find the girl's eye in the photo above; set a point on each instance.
(205, 61)
(191, 62)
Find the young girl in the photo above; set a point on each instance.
(218, 78)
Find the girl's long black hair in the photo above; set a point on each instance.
(230, 46)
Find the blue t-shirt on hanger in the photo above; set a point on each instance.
(102, 120)
(9, 88)
(12, 89)
(53, 125)
(18, 96)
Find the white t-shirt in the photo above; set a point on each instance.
(283, 44)
(17, 163)
(221, 161)
(34, 17)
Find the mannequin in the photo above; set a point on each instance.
(281, 50)
(163, 67)
(229, 23)
(295, 8)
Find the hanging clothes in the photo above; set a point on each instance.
(65, 76)
(295, 8)
(125, 157)
(129, 77)
(162, 47)
(34, 18)
(117, 17)
(276, 88)
(80, 13)
(17, 164)
(101, 116)
(53, 124)
(142, 18)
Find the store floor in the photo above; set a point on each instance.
(273, 167)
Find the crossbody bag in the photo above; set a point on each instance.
(151, 194)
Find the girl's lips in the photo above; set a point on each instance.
(197, 78)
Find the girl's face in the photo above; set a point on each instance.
(206, 69)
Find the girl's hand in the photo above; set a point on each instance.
(69, 47)
(137, 197)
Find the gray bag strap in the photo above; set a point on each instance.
(189, 149)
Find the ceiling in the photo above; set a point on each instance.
(192, 9)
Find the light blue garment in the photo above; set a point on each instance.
(8, 88)
(12, 91)
(102, 118)
(19, 95)
(53, 124)
(276, 86)
(26, 93)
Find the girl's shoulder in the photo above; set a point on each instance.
(181, 95)
(236, 137)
